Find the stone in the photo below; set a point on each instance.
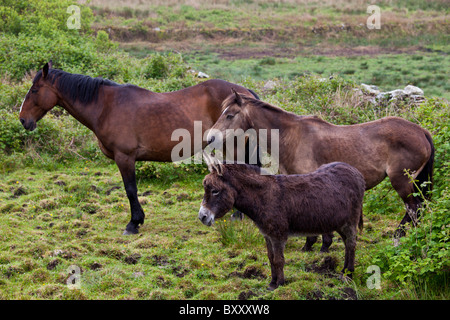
(413, 90)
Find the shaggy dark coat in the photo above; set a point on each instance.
(326, 200)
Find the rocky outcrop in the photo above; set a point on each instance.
(409, 92)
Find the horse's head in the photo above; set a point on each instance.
(219, 196)
(233, 117)
(40, 99)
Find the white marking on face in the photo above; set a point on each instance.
(21, 106)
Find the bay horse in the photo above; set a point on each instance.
(380, 148)
(131, 123)
(326, 200)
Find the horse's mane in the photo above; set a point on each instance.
(76, 87)
(250, 100)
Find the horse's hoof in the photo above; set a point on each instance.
(128, 232)
(396, 242)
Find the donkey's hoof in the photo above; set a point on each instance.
(272, 287)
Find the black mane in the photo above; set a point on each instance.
(76, 87)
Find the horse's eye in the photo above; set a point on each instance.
(230, 116)
(215, 192)
(34, 91)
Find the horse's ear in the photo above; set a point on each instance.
(45, 70)
(50, 64)
(238, 97)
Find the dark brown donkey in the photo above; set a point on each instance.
(380, 148)
(131, 123)
(326, 200)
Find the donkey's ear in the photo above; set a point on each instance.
(238, 97)
(45, 70)
(214, 165)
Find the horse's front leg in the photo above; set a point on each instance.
(126, 166)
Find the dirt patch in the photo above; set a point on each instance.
(245, 295)
(327, 267)
(349, 294)
(95, 266)
(159, 260)
(250, 272)
(52, 264)
(108, 192)
(133, 258)
(19, 192)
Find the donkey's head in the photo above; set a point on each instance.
(219, 195)
(233, 117)
(40, 99)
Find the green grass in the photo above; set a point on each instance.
(62, 204)
(53, 219)
(389, 72)
(54, 216)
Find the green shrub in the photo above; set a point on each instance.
(161, 66)
(102, 42)
(424, 253)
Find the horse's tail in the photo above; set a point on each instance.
(426, 174)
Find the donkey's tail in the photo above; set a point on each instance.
(361, 222)
(427, 173)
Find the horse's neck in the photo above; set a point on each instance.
(266, 119)
(87, 114)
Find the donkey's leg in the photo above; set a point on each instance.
(278, 263)
(126, 166)
(272, 266)
(349, 237)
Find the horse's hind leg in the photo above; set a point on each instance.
(309, 243)
(126, 166)
(327, 240)
(404, 187)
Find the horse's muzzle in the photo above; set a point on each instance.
(211, 139)
(206, 216)
(28, 125)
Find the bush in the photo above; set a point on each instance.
(161, 66)
(423, 254)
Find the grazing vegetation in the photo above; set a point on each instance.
(62, 202)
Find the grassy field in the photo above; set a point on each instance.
(264, 39)
(62, 203)
(53, 219)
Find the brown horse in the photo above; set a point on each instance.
(131, 123)
(380, 148)
(326, 200)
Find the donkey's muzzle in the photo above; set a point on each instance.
(206, 216)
